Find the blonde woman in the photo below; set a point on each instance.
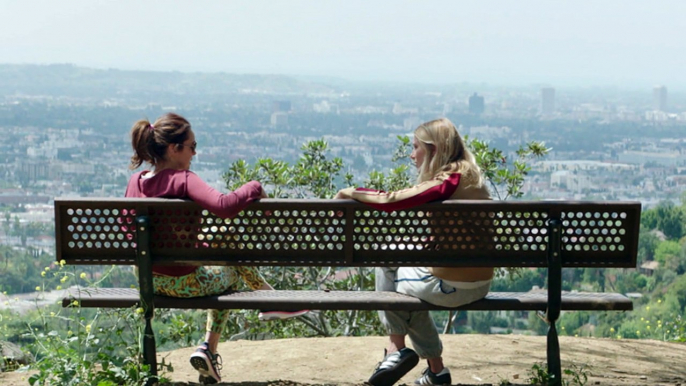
(447, 170)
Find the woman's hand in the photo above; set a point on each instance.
(345, 194)
(341, 196)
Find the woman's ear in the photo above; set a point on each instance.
(172, 148)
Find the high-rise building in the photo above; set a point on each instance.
(547, 100)
(476, 104)
(279, 119)
(281, 106)
(660, 98)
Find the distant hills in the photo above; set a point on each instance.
(79, 82)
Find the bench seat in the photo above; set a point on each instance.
(291, 300)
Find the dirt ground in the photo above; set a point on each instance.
(472, 359)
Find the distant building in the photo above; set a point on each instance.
(325, 107)
(660, 98)
(570, 181)
(663, 157)
(547, 100)
(476, 104)
(281, 106)
(279, 119)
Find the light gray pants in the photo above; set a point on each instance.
(419, 325)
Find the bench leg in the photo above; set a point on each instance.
(147, 292)
(554, 300)
(149, 351)
(553, 355)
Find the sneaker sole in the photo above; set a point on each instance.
(203, 366)
(206, 380)
(390, 376)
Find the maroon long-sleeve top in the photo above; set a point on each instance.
(171, 183)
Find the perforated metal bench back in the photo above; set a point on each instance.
(346, 233)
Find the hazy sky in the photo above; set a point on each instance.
(585, 43)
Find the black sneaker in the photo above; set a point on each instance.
(393, 367)
(267, 315)
(430, 379)
(207, 364)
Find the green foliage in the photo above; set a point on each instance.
(19, 272)
(75, 346)
(523, 280)
(668, 218)
(481, 321)
(312, 176)
(506, 179)
(647, 242)
(667, 249)
(574, 375)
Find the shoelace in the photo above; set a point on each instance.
(217, 361)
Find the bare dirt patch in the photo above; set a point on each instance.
(472, 359)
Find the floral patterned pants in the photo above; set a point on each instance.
(206, 281)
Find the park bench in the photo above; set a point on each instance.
(345, 233)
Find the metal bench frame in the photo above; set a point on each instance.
(345, 233)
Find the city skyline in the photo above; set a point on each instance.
(613, 43)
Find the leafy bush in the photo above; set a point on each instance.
(75, 346)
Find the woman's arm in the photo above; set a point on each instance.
(441, 188)
(223, 205)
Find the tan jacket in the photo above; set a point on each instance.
(465, 191)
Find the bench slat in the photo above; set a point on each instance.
(346, 300)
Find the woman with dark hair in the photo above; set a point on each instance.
(447, 170)
(169, 145)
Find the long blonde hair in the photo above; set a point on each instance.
(445, 151)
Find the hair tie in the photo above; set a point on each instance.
(152, 127)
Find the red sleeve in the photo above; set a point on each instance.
(441, 188)
(223, 205)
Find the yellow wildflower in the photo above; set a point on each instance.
(38, 288)
(42, 273)
(88, 328)
(64, 279)
(83, 275)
